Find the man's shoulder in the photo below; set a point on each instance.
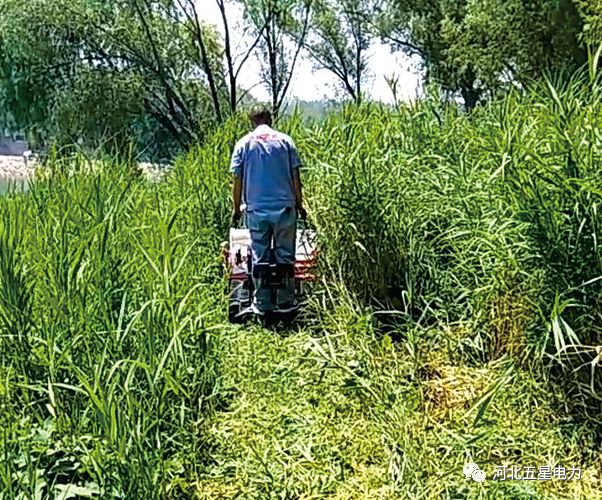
(241, 143)
(284, 137)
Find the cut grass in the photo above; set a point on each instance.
(303, 423)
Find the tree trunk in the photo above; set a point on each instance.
(470, 97)
(470, 94)
(206, 63)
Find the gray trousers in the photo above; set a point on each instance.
(281, 226)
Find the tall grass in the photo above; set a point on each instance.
(489, 220)
(107, 301)
(483, 228)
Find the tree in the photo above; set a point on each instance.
(338, 39)
(273, 21)
(222, 72)
(185, 12)
(481, 47)
(65, 66)
(234, 63)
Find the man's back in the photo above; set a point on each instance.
(265, 160)
(266, 168)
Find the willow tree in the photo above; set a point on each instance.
(477, 48)
(97, 72)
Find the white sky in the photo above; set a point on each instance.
(308, 84)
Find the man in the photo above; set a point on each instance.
(266, 166)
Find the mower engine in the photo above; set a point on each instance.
(239, 266)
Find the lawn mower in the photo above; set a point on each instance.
(239, 266)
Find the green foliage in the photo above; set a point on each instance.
(338, 40)
(456, 317)
(102, 75)
(271, 21)
(105, 300)
(447, 217)
(479, 48)
(591, 13)
(340, 411)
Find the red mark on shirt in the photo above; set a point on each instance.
(265, 137)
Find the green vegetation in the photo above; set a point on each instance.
(479, 49)
(456, 317)
(106, 75)
(154, 77)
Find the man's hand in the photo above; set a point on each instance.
(302, 213)
(236, 214)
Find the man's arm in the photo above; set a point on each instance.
(236, 195)
(236, 167)
(295, 163)
(298, 187)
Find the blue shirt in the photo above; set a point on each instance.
(265, 160)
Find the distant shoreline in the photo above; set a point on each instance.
(14, 167)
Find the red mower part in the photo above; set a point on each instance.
(237, 251)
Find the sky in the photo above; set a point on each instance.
(307, 83)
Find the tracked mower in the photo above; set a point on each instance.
(239, 268)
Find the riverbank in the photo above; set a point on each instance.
(15, 168)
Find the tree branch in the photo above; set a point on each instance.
(298, 50)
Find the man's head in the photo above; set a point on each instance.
(260, 115)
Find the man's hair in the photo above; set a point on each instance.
(260, 113)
